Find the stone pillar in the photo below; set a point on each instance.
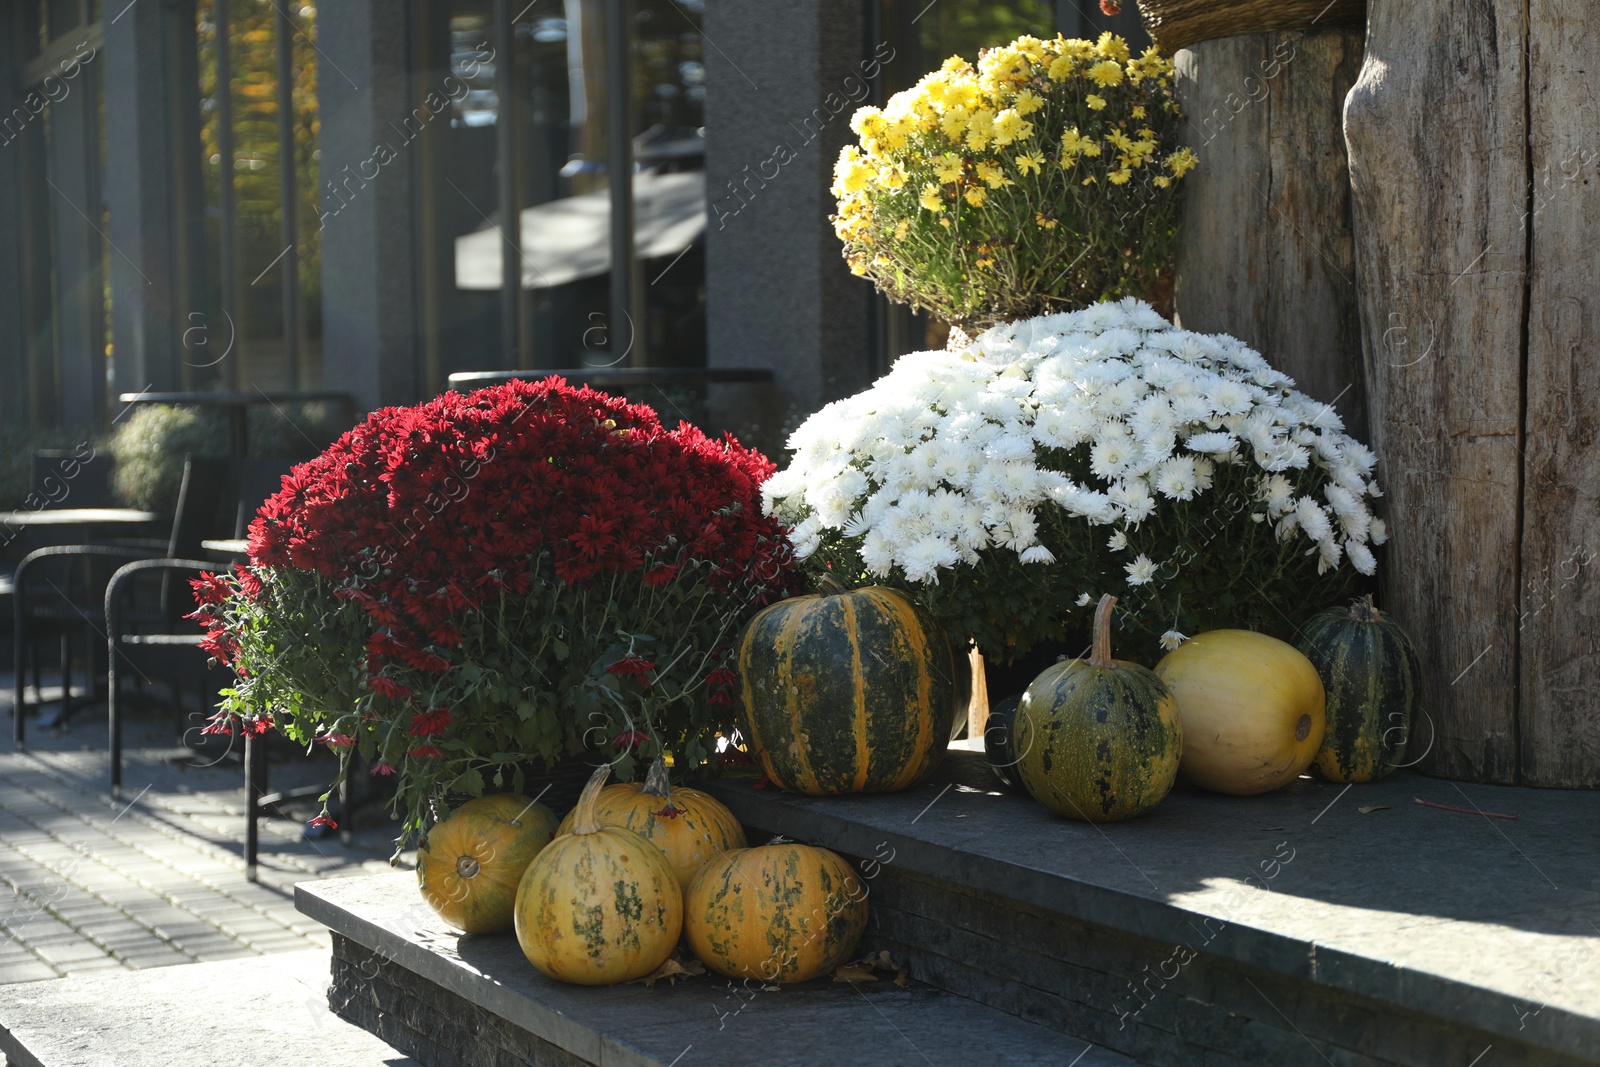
(371, 330)
(14, 406)
(149, 307)
(782, 81)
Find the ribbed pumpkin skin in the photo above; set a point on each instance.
(1099, 744)
(472, 862)
(1253, 710)
(1372, 676)
(775, 913)
(701, 829)
(847, 693)
(1000, 742)
(600, 908)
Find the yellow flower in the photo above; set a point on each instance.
(893, 176)
(1138, 112)
(1090, 148)
(976, 195)
(1120, 140)
(948, 168)
(1029, 162)
(985, 261)
(991, 175)
(1028, 102)
(1031, 47)
(980, 129)
(850, 173)
(1095, 102)
(954, 122)
(1010, 126)
(1060, 68)
(1089, 180)
(1044, 222)
(1162, 181)
(1112, 47)
(1067, 161)
(945, 222)
(955, 65)
(901, 229)
(930, 198)
(1107, 72)
(1142, 150)
(1072, 142)
(1181, 162)
(1120, 177)
(858, 266)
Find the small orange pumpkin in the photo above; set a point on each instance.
(470, 864)
(690, 827)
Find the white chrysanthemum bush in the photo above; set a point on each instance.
(1008, 484)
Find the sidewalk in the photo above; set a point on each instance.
(158, 879)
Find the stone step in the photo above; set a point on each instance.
(454, 1001)
(266, 1011)
(1320, 923)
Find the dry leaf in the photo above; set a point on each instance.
(1372, 808)
(672, 970)
(854, 972)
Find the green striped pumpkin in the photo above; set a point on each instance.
(1099, 738)
(846, 691)
(1370, 670)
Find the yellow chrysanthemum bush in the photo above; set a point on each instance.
(1043, 180)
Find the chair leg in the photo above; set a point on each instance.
(66, 672)
(19, 708)
(255, 777)
(114, 721)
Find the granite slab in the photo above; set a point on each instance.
(1489, 922)
(704, 1021)
(261, 1011)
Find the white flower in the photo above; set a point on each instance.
(1134, 499)
(1311, 519)
(1229, 398)
(1176, 478)
(1378, 532)
(1172, 639)
(1084, 599)
(1278, 493)
(1329, 553)
(1037, 554)
(1361, 557)
(1141, 570)
(1212, 442)
(1111, 452)
(1117, 541)
(1019, 531)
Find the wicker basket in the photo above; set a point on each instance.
(1175, 24)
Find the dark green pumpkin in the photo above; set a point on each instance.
(1100, 738)
(847, 691)
(1372, 677)
(1000, 742)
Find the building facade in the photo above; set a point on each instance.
(367, 197)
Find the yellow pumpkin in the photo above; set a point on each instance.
(600, 904)
(470, 864)
(688, 826)
(781, 912)
(1252, 707)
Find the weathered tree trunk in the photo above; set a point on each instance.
(1267, 253)
(1437, 134)
(1559, 609)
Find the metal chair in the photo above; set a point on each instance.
(74, 602)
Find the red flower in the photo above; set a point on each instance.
(719, 698)
(382, 767)
(722, 676)
(337, 740)
(430, 723)
(1112, 8)
(629, 739)
(388, 687)
(636, 667)
(323, 820)
(425, 752)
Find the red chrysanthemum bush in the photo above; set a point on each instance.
(522, 572)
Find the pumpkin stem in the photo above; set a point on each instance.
(584, 819)
(1100, 654)
(1363, 610)
(656, 782)
(828, 585)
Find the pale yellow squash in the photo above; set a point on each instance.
(1252, 709)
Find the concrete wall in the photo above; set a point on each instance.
(782, 81)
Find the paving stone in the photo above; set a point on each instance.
(70, 952)
(26, 972)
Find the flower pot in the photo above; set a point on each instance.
(1175, 24)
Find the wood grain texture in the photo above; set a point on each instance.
(1267, 252)
(1436, 132)
(1559, 610)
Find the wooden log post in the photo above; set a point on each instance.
(1267, 253)
(1472, 142)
